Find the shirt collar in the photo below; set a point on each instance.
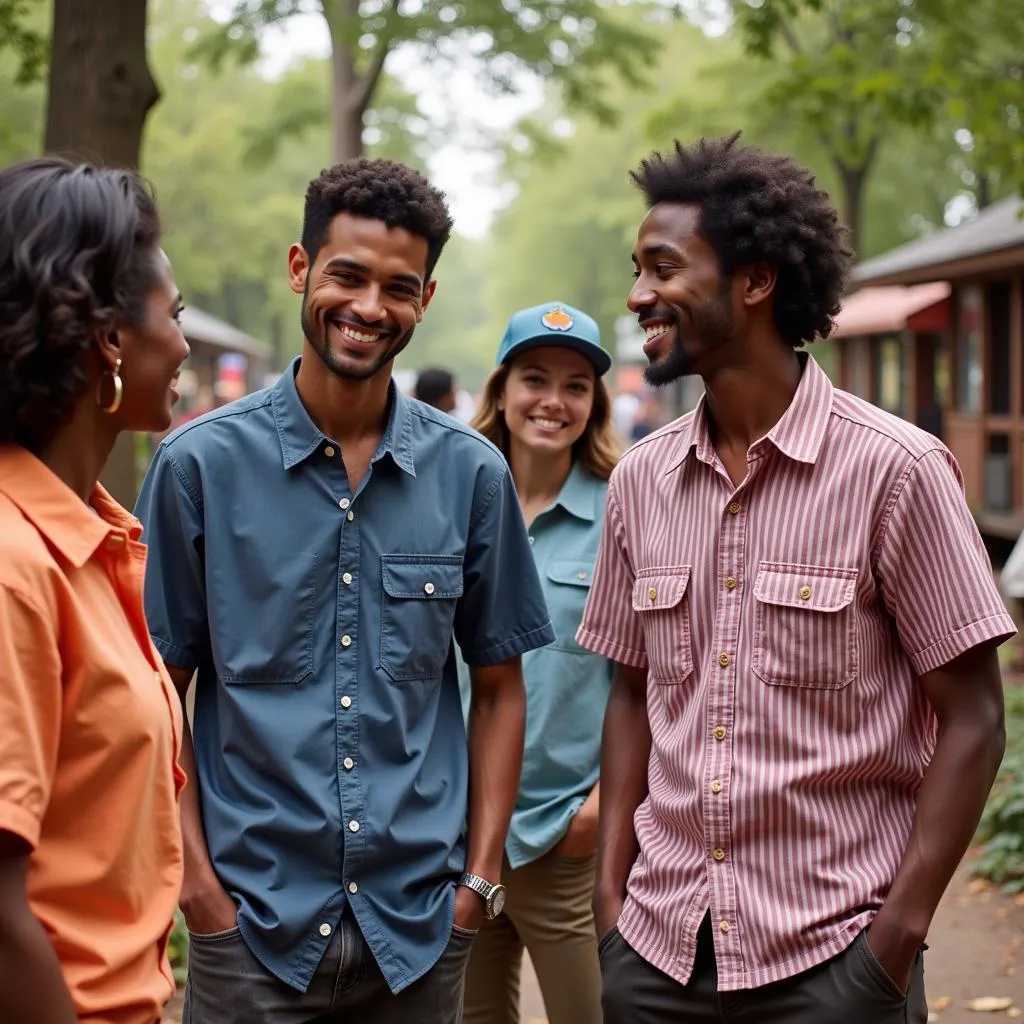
(579, 494)
(799, 433)
(63, 519)
(300, 437)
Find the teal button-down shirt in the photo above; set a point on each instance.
(567, 687)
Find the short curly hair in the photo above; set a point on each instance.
(381, 190)
(77, 258)
(756, 207)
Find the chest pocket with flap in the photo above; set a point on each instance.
(805, 626)
(567, 584)
(660, 599)
(417, 612)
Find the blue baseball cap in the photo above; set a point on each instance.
(554, 324)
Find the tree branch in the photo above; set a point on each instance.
(791, 40)
(368, 80)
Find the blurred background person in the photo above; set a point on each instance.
(625, 409)
(648, 416)
(548, 410)
(436, 387)
(90, 850)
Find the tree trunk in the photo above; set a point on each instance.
(983, 193)
(852, 181)
(101, 88)
(100, 91)
(346, 110)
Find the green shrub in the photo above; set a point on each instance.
(1002, 825)
(178, 951)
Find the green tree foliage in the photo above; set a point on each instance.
(573, 42)
(856, 74)
(975, 66)
(23, 33)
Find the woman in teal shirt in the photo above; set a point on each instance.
(546, 407)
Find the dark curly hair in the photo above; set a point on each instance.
(381, 190)
(77, 248)
(760, 207)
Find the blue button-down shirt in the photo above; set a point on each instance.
(567, 687)
(329, 737)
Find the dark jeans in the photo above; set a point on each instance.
(228, 985)
(851, 988)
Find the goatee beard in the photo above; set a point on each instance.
(321, 346)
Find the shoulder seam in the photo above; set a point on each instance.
(898, 487)
(228, 412)
(934, 446)
(456, 427)
(499, 479)
(186, 483)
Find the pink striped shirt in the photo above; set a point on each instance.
(784, 624)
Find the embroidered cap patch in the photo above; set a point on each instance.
(557, 320)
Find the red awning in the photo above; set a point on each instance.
(885, 309)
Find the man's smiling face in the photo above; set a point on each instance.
(363, 295)
(682, 301)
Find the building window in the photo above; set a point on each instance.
(969, 364)
(999, 378)
(889, 386)
(859, 368)
(998, 474)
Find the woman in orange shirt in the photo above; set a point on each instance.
(90, 851)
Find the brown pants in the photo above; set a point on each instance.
(851, 988)
(547, 911)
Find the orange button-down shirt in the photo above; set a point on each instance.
(90, 733)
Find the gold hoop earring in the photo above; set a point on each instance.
(115, 402)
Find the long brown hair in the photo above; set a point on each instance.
(597, 450)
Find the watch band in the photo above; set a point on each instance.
(479, 885)
(492, 893)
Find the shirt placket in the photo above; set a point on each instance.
(730, 584)
(347, 696)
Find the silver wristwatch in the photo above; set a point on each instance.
(492, 895)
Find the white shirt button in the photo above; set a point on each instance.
(351, 515)
(353, 888)
(531, 540)
(349, 764)
(346, 701)
(325, 929)
(329, 452)
(428, 588)
(344, 503)
(353, 826)
(346, 578)
(346, 641)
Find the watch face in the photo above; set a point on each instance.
(496, 904)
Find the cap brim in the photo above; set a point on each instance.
(600, 359)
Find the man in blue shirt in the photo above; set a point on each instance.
(313, 548)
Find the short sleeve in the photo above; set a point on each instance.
(502, 612)
(610, 626)
(936, 579)
(172, 529)
(30, 714)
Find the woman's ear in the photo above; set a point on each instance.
(110, 349)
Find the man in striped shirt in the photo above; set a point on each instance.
(807, 711)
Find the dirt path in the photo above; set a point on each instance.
(977, 950)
